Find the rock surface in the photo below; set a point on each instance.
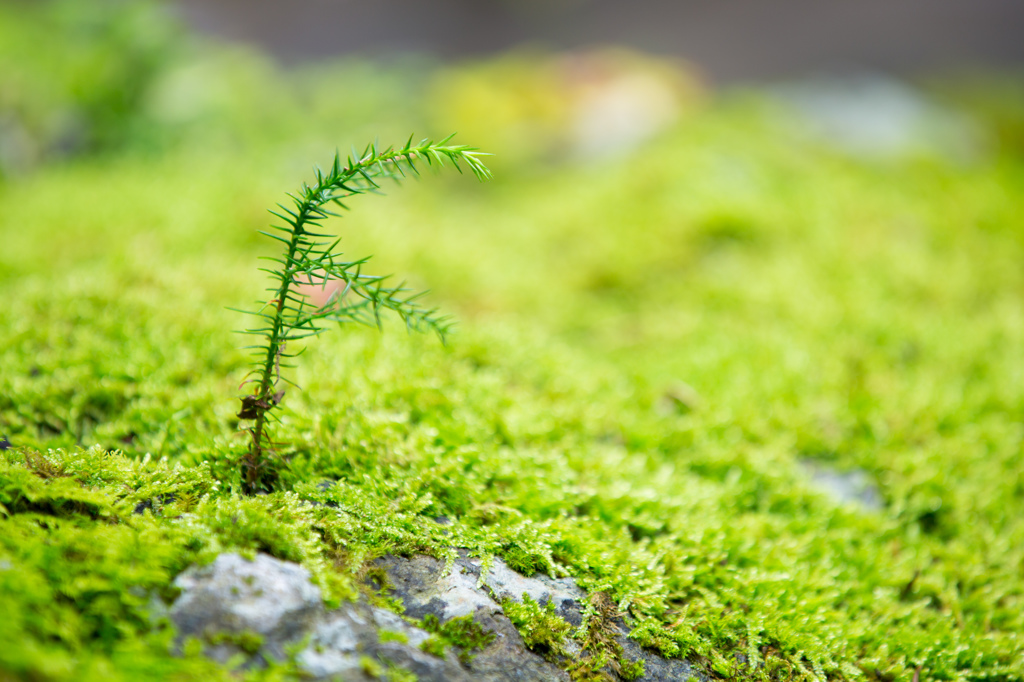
(256, 609)
(341, 641)
(232, 598)
(854, 487)
(424, 587)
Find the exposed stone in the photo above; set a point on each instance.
(506, 659)
(235, 597)
(257, 608)
(235, 606)
(656, 668)
(423, 587)
(338, 644)
(845, 487)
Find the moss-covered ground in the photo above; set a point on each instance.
(650, 349)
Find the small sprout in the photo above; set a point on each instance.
(308, 261)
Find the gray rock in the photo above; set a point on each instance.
(656, 668)
(338, 645)
(233, 599)
(423, 587)
(506, 659)
(232, 596)
(845, 487)
(235, 606)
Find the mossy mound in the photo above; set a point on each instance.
(864, 315)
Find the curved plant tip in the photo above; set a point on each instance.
(308, 264)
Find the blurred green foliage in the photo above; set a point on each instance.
(89, 77)
(656, 337)
(75, 76)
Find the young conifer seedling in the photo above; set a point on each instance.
(308, 256)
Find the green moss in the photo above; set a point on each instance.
(40, 486)
(862, 315)
(435, 646)
(389, 636)
(249, 642)
(385, 671)
(542, 630)
(632, 670)
(397, 674)
(371, 667)
(588, 652)
(651, 634)
(463, 633)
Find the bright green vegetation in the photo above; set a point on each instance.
(861, 314)
(540, 627)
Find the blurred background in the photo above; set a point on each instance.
(653, 160)
(728, 42)
(589, 76)
(657, 164)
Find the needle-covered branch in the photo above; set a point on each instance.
(309, 258)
